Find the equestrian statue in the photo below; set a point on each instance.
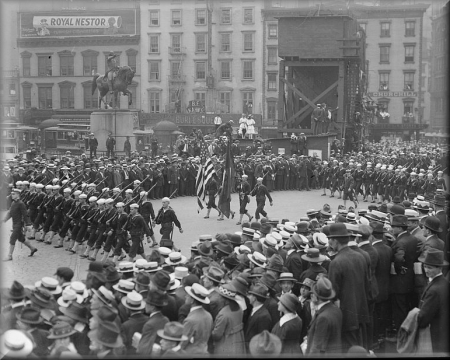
(116, 80)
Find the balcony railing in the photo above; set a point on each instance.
(177, 78)
(10, 73)
(409, 120)
(177, 50)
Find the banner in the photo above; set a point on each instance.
(93, 23)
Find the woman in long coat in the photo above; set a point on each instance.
(289, 328)
(228, 331)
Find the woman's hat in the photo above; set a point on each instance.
(205, 248)
(433, 257)
(433, 223)
(258, 259)
(69, 295)
(308, 283)
(15, 344)
(157, 298)
(313, 255)
(265, 344)
(124, 286)
(76, 311)
(107, 334)
(198, 292)
(49, 283)
(175, 258)
(228, 291)
(42, 297)
(133, 301)
(289, 301)
(323, 288)
(287, 276)
(61, 330)
(172, 331)
(30, 315)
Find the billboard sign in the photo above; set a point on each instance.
(61, 24)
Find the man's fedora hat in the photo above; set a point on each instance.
(323, 288)
(42, 297)
(214, 273)
(30, 315)
(313, 255)
(161, 279)
(107, 334)
(399, 220)
(61, 330)
(205, 248)
(16, 291)
(172, 331)
(76, 311)
(338, 230)
(433, 257)
(259, 290)
(265, 344)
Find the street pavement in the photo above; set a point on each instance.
(286, 205)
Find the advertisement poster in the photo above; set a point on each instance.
(94, 23)
(315, 153)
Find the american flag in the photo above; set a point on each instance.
(205, 172)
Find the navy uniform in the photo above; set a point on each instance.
(260, 191)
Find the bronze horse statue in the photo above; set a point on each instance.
(123, 78)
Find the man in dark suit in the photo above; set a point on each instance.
(100, 178)
(382, 274)
(259, 319)
(348, 274)
(431, 229)
(324, 334)
(109, 175)
(136, 321)
(404, 250)
(434, 310)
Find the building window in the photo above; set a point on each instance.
(175, 40)
(384, 81)
(271, 110)
(200, 96)
(385, 29)
(273, 31)
(154, 73)
(225, 70)
(408, 107)
(90, 101)
(247, 102)
(154, 18)
(363, 26)
(200, 43)
(26, 66)
(12, 89)
(409, 53)
(200, 70)
(45, 97)
(132, 61)
(154, 101)
(271, 81)
(66, 65)
(409, 81)
(247, 69)
(154, 44)
(175, 68)
(200, 16)
(176, 17)
(225, 16)
(225, 99)
(410, 28)
(440, 105)
(248, 42)
(272, 55)
(248, 16)
(225, 42)
(90, 64)
(26, 97)
(45, 65)
(67, 97)
(384, 54)
(383, 105)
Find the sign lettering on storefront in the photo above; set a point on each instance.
(97, 23)
(393, 94)
(398, 126)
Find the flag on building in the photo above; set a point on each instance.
(205, 172)
(227, 183)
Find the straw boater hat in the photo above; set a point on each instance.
(133, 301)
(198, 292)
(15, 344)
(50, 284)
(258, 259)
(287, 276)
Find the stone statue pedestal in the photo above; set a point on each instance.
(119, 123)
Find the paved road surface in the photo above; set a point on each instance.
(287, 204)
